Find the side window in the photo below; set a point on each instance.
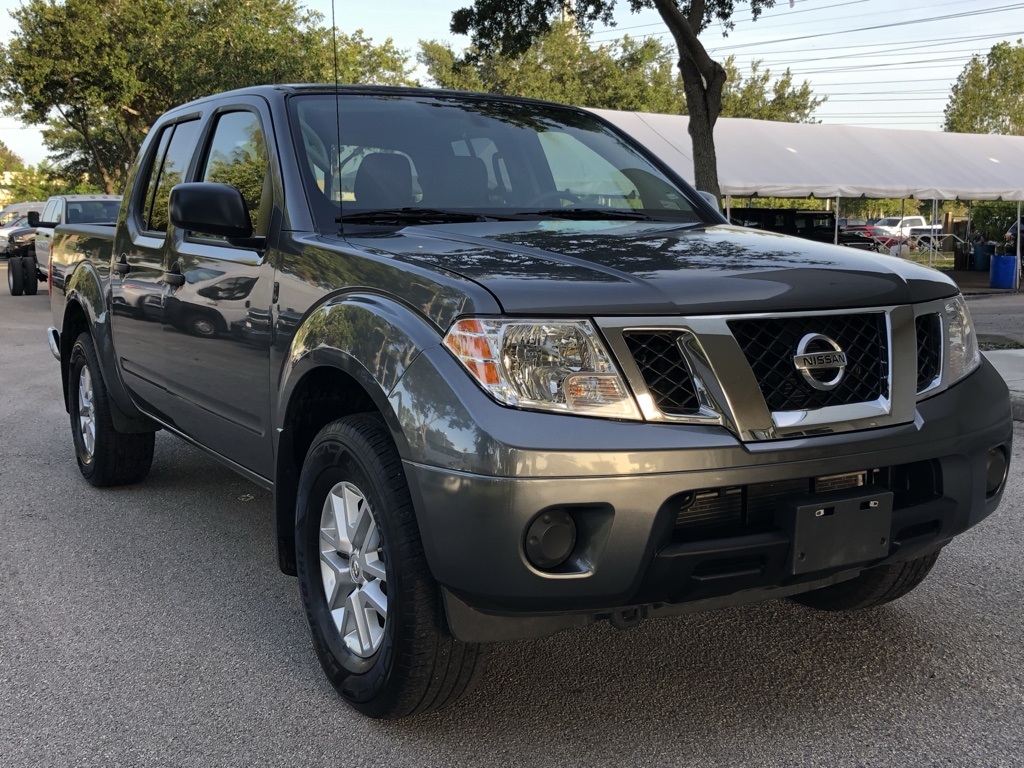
(172, 171)
(154, 176)
(48, 211)
(238, 156)
(58, 210)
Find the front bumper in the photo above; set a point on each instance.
(632, 554)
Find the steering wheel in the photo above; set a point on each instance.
(554, 197)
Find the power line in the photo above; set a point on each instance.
(816, 9)
(973, 51)
(947, 17)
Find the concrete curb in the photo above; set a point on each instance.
(1017, 406)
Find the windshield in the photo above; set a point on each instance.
(18, 221)
(478, 156)
(888, 223)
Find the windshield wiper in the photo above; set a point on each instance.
(410, 215)
(591, 214)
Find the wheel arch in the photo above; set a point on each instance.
(85, 311)
(346, 357)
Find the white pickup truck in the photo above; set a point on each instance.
(24, 273)
(908, 226)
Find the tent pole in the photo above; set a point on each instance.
(931, 240)
(728, 207)
(1016, 271)
(837, 221)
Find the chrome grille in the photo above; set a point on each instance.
(769, 345)
(929, 350)
(666, 374)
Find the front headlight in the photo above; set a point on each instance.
(961, 341)
(550, 365)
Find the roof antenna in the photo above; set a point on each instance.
(337, 120)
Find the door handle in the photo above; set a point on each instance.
(122, 266)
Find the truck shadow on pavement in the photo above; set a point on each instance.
(693, 685)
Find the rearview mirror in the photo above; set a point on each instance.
(212, 209)
(33, 218)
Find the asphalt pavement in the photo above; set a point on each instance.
(149, 625)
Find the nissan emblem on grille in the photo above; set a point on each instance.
(818, 355)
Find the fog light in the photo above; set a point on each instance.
(550, 539)
(996, 467)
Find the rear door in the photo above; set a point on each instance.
(137, 284)
(52, 215)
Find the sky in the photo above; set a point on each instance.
(881, 63)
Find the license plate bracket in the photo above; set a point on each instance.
(835, 529)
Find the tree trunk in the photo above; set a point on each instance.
(703, 103)
(703, 82)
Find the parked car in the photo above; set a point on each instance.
(19, 222)
(519, 378)
(17, 210)
(808, 224)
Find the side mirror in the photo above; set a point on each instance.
(33, 218)
(709, 199)
(213, 209)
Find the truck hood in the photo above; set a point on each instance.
(648, 268)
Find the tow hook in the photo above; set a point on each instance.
(626, 619)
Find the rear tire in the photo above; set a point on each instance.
(873, 587)
(105, 456)
(374, 610)
(31, 278)
(15, 276)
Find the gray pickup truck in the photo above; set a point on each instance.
(507, 374)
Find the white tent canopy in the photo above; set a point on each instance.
(759, 157)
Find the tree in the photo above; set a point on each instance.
(625, 74)
(510, 26)
(98, 73)
(761, 98)
(559, 66)
(8, 160)
(988, 97)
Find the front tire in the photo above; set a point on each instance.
(15, 276)
(374, 610)
(873, 587)
(30, 276)
(105, 456)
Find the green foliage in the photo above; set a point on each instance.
(560, 66)
(99, 73)
(510, 27)
(8, 160)
(993, 219)
(40, 182)
(988, 97)
(761, 98)
(626, 75)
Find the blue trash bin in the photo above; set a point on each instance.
(1002, 271)
(983, 256)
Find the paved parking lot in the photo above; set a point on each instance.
(150, 626)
